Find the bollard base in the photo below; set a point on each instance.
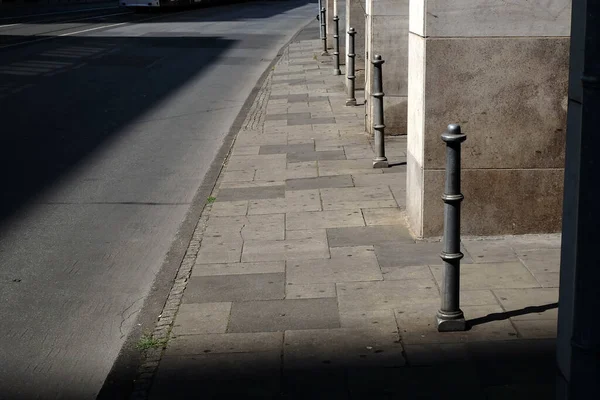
(351, 102)
(380, 163)
(337, 72)
(325, 53)
(450, 322)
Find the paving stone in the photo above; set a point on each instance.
(400, 196)
(272, 136)
(298, 170)
(321, 384)
(384, 216)
(214, 250)
(357, 151)
(294, 201)
(255, 184)
(310, 291)
(523, 243)
(347, 167)
(221, 376)
(268, 161)
(347, 264)
(421, 383)
(532, 304)
(357, 197)
(417, 325)
(336, 181)
(536, 329)
(252, 227)
(378, 319)
(195, 319)
(367, 235)
(385, 295)
(283, 315)
(229, 208)
(251, 193)
(515, 362)
(287, 116)
(241, 150)
(310, 121)
(491, 276)
(295, 98)
(238, 268)
(313, 247)
(315, 156)
(392, 180)
(203, 289)
(224, 343)
(341, 348)
(323, 219)
(239, 176)
(437, 354)
(406, 272)
(484, 251)
(404, 254)
(541, 261)
(288, 148)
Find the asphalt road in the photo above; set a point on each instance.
(107, 133)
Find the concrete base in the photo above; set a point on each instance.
(380, 163)
(450, 322)
(351, 102)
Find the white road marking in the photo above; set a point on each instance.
(58, 12)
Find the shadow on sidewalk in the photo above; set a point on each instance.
(510, 314)
(517, 369)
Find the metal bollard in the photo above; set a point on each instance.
(380, 161)
(319, 18)
(336, 49)
(324, 30)
(450, 317)
(351, 101)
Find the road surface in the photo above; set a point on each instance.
(110, 122)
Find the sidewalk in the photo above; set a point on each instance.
(304, 282)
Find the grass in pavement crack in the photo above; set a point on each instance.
(148, 342)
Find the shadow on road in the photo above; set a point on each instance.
(64, 98)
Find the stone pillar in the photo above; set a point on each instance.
(355, 18)
(387, 35)
(330, 5)
(578, 340)
(500, 69)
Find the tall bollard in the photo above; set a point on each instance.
(324, 30)
(351, 101)
(336, 48)
(380, 161)
(450, 317)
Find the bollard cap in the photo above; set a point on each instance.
(323, 9)
(351, 31)
(453, 134)
(377, 59)
(336, 18)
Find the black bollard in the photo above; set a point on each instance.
(450, 317)
(380, 161)
(324, 30)
(336, 49)
(351, 101)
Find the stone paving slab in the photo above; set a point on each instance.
(368, 235)
(283, 315)
(336, 181)
(205, 289)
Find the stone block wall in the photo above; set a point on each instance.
(500, 70)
